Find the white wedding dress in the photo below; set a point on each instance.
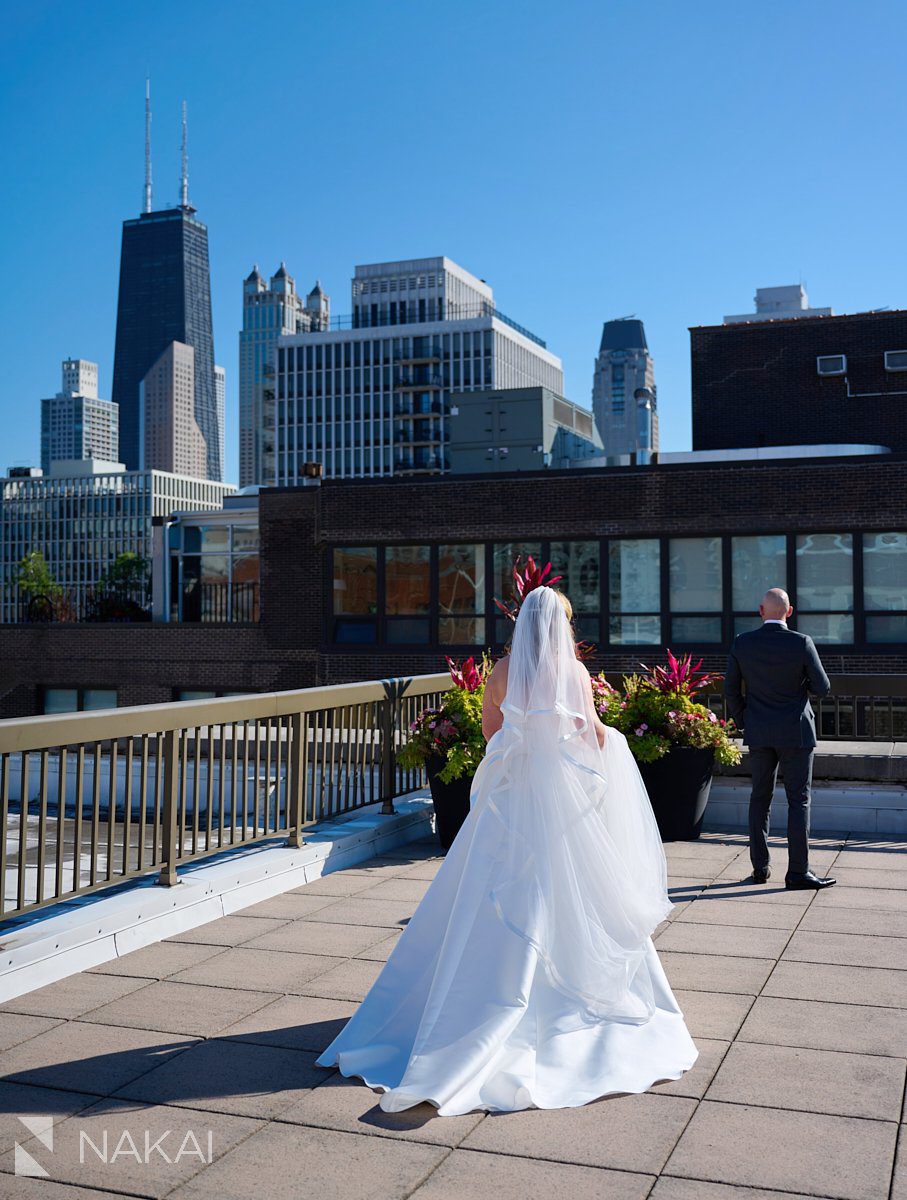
(527, 976)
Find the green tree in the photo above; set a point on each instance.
(127, 575)
(35, 578)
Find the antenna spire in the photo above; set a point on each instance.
(184, 175)
(147, 144)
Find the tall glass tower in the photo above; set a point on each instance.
(165, 296)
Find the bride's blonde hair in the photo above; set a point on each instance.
(565, 603)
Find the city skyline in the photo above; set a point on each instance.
(605, 198)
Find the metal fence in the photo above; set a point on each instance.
(91, 799)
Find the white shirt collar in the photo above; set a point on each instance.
(774, 621)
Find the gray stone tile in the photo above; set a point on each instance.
(281, 1162)
(381, 951)
(630, 1133)
(881, 899)
(899, 1183)
(388, 914)
(871, 860)
(425, 848)
(23, 1098)
(348, 981)
(826, 919)
(347, 1104)
(73, 1161)
(229, 931)
(736, 941)
(875, 877)
(843, 985)
(400, 888)
(388, 868)
(741, 912)
(297, 1022)
(695, 1082)
(849, 950)
(740, 888)
(267, 970)
(73, 996)
(423, 870)
(713, 1014)
(716, 972)
(20, 1187)
(669, 1187)
(823, 1081)
(19, 1027)
(180, 1008)
(826, 1026)
(318, 937)
(289, 906)
(230, 1076)
(78, 1055)
(159, 960)
(336, 884)
(473, 1175)
(842, 1157)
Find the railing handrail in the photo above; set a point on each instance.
(19, 734)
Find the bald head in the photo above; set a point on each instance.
(775, 605)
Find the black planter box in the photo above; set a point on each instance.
(678, 787)
(450, 800)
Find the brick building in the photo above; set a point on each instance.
(377, 578)
(801, 381)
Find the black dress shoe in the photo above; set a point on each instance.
(760, 876)
(808, 880)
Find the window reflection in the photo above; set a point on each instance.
(757, 564)
(461, 595)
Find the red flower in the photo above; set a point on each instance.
(681, 676)
(467, 676)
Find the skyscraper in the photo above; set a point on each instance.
(76, 423)
(220, 400)
(171, 438)
(269, 311)
(623, 390)
(372, 397)
(165, 296)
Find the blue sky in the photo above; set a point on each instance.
(591, 159)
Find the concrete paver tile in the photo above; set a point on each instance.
(398, 888)
(844, 1158)
(849, 950)
(189, 1008)
(741, 912)
(158, 960)
(826, 1026)
(696, 1081)
(716, 972)
(671, 1187)
(844, 985)
(823, 1081)
(388, 914)
(881, 899)
(872, 877)
(232, 930)
(297, 1022)
(74, 995)
(19, 1027)
(826, 919)
(474, 1175)
(713, 1014)
(288, 906)
(319, 937)
(348, 981)
(262, 970)
(736, 941)
(24, 1098)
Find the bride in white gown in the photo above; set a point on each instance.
(527, 976)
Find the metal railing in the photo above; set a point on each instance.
(862, 708)
(91, 799)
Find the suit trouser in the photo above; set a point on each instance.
(796, 764)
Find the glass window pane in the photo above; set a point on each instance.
(505, 556)
(578, 562)
(829, 628)
(347, 631)
(696, 629)
(695, 574)
(406, 631)
(214, 569)
(190, 694)
(60, 700)
(192, 539)
(245, 537)
(745, 624)
(461, 631)
(407, 588)
(215, 537)
(99, 698)
(885, 572)
(886, 629)
(635, 631)
(757, 564)
(824, 573)
(356, 581)
(461, 580)
(634, 575)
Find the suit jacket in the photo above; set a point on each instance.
(779, 668)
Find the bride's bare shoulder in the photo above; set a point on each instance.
(497, 680)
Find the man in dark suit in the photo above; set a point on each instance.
(778, 669)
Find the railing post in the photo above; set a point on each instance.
(394, 690)
(299, 738)
(168, 876)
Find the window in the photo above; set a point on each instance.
(461, 595)
(505, 557)
(63, 700)
(757, 564)
(407, 593)
(695, 588)
(885, 586)
(824, 600)
(355, 594)
(831, 364)
(634, 590)
(896, 360)
(579, 564)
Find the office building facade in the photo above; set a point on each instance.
(779, 304)
(220, 400)
(519, 429)
(164, 297)
(77, 423)
(623, 391)
(171, 438)
(371, 397)
(801, 380)
(270, 311)
(82, 516)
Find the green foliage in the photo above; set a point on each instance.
(35, 578)
(453, 731)
(127, 575)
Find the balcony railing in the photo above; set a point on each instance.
(91, 799)
(233, 603)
